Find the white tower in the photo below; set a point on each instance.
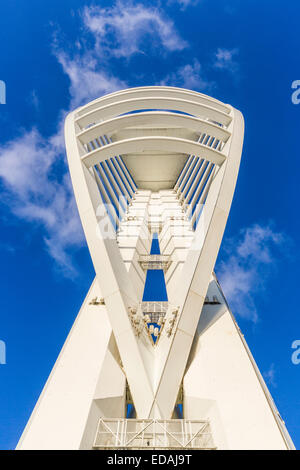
(155, 358)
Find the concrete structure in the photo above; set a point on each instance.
(171, 371)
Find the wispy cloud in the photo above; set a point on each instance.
(7, 247)
(183, 4)
(37, 194)
(33, 167)
(188, 76)
(127, 28)
(115, 32)
(224, 59)
(249, 261)
(269, 375)
(34, 100)
(88, 80)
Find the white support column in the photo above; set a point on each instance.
(123, 177)
(186, 176)
(183, 172)
(110, 206)
(202, 197)
(114, 171)
(199, 188)
(195, 182)
(111, 191)
(185, 191)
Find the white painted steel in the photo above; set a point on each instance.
(149, 434)
(165, 163)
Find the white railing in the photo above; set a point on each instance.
(153, 434)
(155, 262)
(156, 311)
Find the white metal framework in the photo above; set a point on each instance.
(153, 434)
(155, 165)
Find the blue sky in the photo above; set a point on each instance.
(56, 55)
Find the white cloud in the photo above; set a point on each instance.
(188, 76)
(25, 163)
(249, 261)
(36, 194)
(225, 60)
(33, 167)
(126, 28)
(269, 375)
(87, 80)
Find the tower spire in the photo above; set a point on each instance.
(155, 332)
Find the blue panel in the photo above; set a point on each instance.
(190, 170)
(110, 198)
(203, 167)
(108, 210)
(179, 410)
(155, 286)
(114, 190)
(116, 179)
(155, 250)
(185, 167)
(204, 186)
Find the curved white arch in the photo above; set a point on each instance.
(161, 102)
(140, 145)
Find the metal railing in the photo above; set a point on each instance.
(114, 433)
(155, 310)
